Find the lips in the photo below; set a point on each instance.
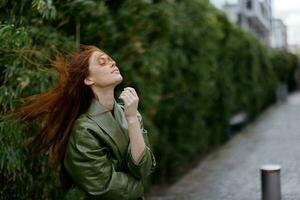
(116, 70)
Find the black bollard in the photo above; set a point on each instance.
(270, 182)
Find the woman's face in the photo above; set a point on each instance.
(103, 71)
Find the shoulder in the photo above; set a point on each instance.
(85, 135)
(84, 126)
(83, 121)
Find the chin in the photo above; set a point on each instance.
(119, 80)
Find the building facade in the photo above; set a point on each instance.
(279, 35)
(254, 16)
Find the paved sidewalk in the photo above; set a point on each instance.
(232, 172)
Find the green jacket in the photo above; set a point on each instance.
(98, 156)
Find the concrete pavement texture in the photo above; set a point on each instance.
(233, 171)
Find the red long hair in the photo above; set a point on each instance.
(60, 107)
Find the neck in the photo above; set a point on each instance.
(105, 96)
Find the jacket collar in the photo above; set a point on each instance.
(116, 127)
(96, 108)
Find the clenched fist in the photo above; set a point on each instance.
(131, 101)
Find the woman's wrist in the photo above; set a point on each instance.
(132, 119)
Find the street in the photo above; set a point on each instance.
(232, 172)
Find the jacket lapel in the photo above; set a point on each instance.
(121, 119)
(111, 126)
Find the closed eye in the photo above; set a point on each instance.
(101, 61)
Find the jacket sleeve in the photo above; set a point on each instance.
(91, 168)
(147, 162)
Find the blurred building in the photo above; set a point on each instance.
(279, 35)
(254, 16)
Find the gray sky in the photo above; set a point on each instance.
(287, 10)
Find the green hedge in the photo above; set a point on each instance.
(192, 69)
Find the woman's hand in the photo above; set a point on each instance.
(131, 100)
(136, 138)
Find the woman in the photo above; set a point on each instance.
(100, 145)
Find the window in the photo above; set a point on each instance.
(249, 4)
(239, 19)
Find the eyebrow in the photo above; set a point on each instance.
(98, 56)
(103, 54)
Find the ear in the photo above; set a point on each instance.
(88, 81)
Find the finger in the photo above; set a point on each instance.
(132, 90)
(125, 99)
(129, 96)
(132, 96)
(123, 94)
(129, 88)
(127, 91)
